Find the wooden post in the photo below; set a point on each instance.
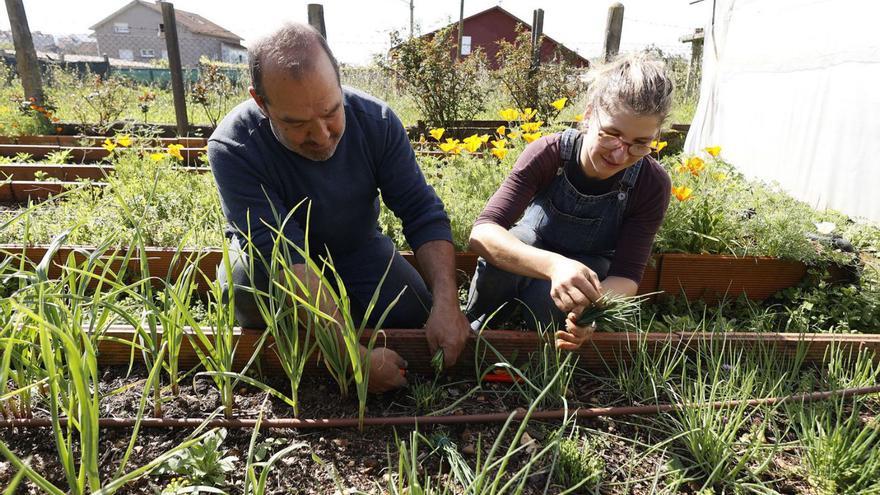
(537, 32)
(460, 29)
(316, 18)
(411, 20)
(696, 41)
(25, 55)
(613, 30)
(175, 66)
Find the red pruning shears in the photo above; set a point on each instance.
(501, 376)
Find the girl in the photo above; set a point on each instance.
(577, 215)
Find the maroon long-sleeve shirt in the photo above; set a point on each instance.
(535, 170)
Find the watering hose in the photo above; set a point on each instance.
(555, 414)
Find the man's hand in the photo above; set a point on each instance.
(385, 370)
(573, 337)
(573, 286)
(448, 329)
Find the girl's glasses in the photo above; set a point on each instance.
(610, 142)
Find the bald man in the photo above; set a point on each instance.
(303, 136)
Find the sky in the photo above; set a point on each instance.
(358, 29)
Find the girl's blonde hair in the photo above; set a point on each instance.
(635, 82)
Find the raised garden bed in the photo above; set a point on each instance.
(601, 354)
(67, 172)
(23, 191)
(706, 277)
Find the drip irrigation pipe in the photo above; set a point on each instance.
(555, 414)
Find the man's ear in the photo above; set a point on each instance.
(259, 100)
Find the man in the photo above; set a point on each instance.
(303, 136)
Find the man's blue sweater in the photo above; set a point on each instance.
(258, 177)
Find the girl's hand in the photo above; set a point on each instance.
(573, 337)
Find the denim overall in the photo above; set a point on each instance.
(562, 220)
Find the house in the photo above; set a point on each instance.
(485, 29)
(136, 32)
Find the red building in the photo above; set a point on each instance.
(485, 29)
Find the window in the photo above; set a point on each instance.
(126, 54)
(121, 27)
(148, 53)
(465, 45)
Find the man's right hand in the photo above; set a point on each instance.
(386, 370)
(573, 286)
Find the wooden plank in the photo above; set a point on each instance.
(24, 191)
(94, 141)
(69, 172)
(604, 351)
(712, 278)
(88, 154)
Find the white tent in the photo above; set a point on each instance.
(791, 91)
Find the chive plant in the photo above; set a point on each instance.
(66, 326)
(611, 311)
(338, 336)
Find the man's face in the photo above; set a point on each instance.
(306, 114)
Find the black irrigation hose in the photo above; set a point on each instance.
(555, 414)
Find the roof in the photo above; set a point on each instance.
(515, 18)
(194, 22)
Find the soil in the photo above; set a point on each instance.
(351, 459)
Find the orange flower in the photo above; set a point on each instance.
(501, 130)
(500, 153)
(658, 145)
(682, 193)
(174, 151)
(696, 165)
(527, 114)
(451, 146)
(531, 136)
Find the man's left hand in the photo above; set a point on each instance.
(448, 329)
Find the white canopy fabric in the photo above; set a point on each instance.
(791, 92)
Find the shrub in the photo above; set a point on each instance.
(443, 88)
(538, 87)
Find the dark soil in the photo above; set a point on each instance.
(350, 459)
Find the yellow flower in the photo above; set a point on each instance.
(501, 143)
(484, 138)
(174, 151)
(513, 135)
(529, 137)
(696, 165)
(109, 145)
(714, 151)
(451, 146)
(123, 140)
(527, 114)
(437, 133)
(508, 114)
(472, 143)
(532, 126)
(682, 193)
(579, 117)
(658, 145)
(501, 130)
(719, 176)
(560, 103)
(682, 168)
(422, 139)
(157, 156)
(500, 153)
